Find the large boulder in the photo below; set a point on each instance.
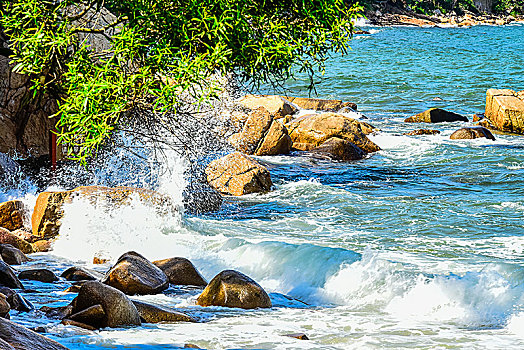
(310, 131)
(21, 338)
(151, 313)
(237, 174)
(472, 133)
(436, 115)
(262, 135)
(8, 277)
(12, 215)
(339, 149)
(276, 105)
(319, 104)
(181, 271)
(48, 211)
(7, 237)
(41, 275)
(118, 310)
(12, 255)
(134, 274)
(505, 110)
(234, 289)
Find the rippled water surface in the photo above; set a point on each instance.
(417, 246)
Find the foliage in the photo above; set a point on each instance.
(428, 7)
(157, 51)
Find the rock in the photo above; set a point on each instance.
(67, 322)
(262, 135)
(478, 117)
(79, 274)
(201, 198)
(472, 133)
(7, 237)
(339, 149)
(48, 211)
(276, 105)
(21, 338)
(181, 271)
(8, 277)
(134, 274)
(93, 315)
(233, 289)
(98, 260)
(155, 313)
(4, 306)
(15, 300)
(12, 215)
(119, 311)
(422, 132)
(12, 255)
(505, 110)
(60, 312)
(310, 131)
(300, 336)
(191, 346)
(318, 104)
(26, 235)
(41, 275)
(436, 115)
(41, 246)
(237, 174)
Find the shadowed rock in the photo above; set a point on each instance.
(41, 275)
(15, 300)
(436, 115)
(21, 338)
(233, 289)
(181, 271)
(12, 255)
(340, 149)
(8, 277)
(79, 274)
(4, 306)
(151, 313)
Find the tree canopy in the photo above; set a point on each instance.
(103, 60)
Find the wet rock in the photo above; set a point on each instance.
(310, 131)
(151, 313)
(12, 255)
(233, 289)
(340, 149)
(436, 115)
(201, 198)
(79, 274)
(262, 135)
(422, 132)
(48, 211)
(134, 274)
(181, 271)
(41, 246)
(41, 275)
(300, 336)
(73, 289)
(118, 309)
(237, 174)
(68, 322)
(276, 105)
(8, 277)
(472, 133)
(191, 346)
(93, 315)
(319, 104)
(505, 110)
(21, 338)
(4, 306)
(59, 312)
(16, 301)
(7, 237)
(12, 215)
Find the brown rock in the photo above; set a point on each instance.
(12, 215)
(477, 117)
(4, 306)
(93, 316)
(233, 289)
(41, 275)
(181, 271)
(237, 174)
(436, 115)
(67, 322)
(472, 133)
(97, 260)
(80, 274)
(340, 149)
(7, 237)
(276, 141)
(505, 110)
(21, 338)
(151, 313)
(8, 277)
(119, 311)
(12, 255)
(41, 246)
(276, 105)
(422, 132)
(60, 312)
(134, 274)
(318, 104)
(309, 132)
(300, 336)
(191, 346)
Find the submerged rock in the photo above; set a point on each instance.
(422, 132)
(41, 275)
(505, 110)
(181, 271)
(436, 115)
(276, 105)
(80, 274)
(12, 255)
(8, 277)
(340, 149)
(237, 174)
(472, 133)
(12, 215)
(134, 274)
(233, 289)
(21, 338)
(118, 309)
(311, 131)
(7, 237)
(151, 313)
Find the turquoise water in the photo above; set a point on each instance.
(418, 246)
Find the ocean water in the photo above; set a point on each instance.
(420, 245)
